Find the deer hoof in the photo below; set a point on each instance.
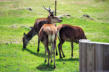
(37, 50)
(60, 57)
(56, 54)
(48, 64)
(54, 66)
(63, 55)
(72, 56)
(45, 61)
(23, 49)
(51, 61)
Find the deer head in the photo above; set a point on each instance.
(54, 19)
(25, 41)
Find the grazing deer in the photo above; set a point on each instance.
(71, 34)
(38, 24)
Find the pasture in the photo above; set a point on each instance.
(15, 19)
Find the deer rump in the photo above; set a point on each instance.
(48, 32)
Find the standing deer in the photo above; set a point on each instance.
(71, 34)
(38, 24)
(47, 35)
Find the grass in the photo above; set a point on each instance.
(15, 20)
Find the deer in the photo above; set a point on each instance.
(47, 35)
(69, 33)
(37, 26)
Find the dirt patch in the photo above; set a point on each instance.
(86, 16)
(14, 26)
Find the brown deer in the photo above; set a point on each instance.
(47, 35)
(69, 33)
(38, 24)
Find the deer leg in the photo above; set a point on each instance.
(47, 50)
(56, 51)
(55, 43)
(48, 56)
(60, 48)
(51, 53)
(54, 46)
(62, 52)
(38, 45)
(45, 55)
(23, 49)
(71, 49)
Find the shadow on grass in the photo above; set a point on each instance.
(44, 67)
(70, 59)
(36, 54)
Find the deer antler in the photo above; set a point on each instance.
(49, 10)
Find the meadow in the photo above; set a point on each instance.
(15, 19)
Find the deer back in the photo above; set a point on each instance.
(49, 31)
(70, 33)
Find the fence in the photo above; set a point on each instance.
(94, 56)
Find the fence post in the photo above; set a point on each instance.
(55, 7)
(83, 57)
(94, 56)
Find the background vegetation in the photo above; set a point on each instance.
(15, 19)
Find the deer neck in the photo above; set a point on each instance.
(49, 20)
(30, 34)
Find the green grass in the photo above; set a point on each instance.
(15, 20)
